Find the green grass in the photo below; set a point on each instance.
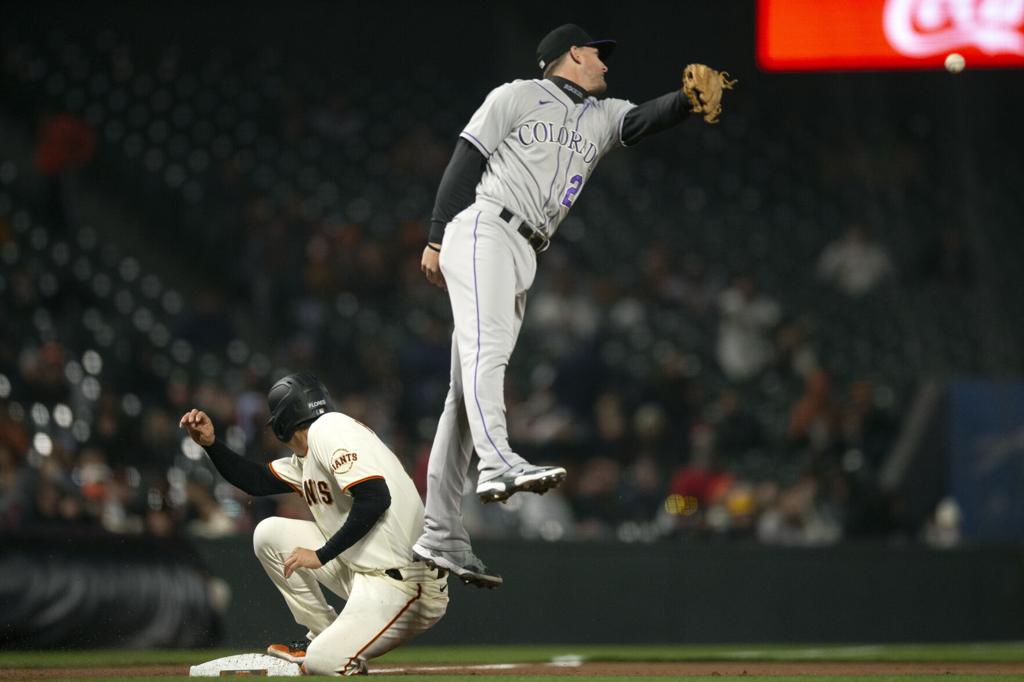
(1003, 652)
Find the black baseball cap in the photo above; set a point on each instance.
(555, 44)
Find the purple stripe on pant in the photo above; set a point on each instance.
(476, 367)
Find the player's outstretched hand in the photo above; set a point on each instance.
(431, 268)
(199, 427)
(300, 558)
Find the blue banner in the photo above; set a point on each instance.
(986, 439)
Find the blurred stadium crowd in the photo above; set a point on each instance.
(715, 350)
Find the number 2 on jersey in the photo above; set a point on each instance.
(570, 193)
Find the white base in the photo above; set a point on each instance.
(246, 664)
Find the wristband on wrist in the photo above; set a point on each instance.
(433, 248)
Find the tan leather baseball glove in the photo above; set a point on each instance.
(703, 86)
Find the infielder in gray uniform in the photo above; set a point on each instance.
(519, 166)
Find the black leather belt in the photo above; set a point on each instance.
(395, 574)
(536, 238)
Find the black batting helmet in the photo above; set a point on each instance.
(295, 400)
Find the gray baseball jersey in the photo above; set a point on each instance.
(541, 147)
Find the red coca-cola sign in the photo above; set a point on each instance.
(808, 35)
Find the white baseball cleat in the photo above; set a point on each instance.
(465, 565)
(534, 479)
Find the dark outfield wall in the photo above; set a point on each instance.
(576, 593)
(116, 591)
(83, 588)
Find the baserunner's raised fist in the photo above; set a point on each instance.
(199, 427)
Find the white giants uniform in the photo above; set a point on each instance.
(389, 599)
(541, 147)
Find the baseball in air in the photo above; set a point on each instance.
(955, 62)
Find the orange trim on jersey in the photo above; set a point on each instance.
(270, 465)
(419, 593)
(361, 480)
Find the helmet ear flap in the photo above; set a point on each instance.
(277, 426)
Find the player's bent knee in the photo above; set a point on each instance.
(320, 660)
(268, 533)
(317, 665)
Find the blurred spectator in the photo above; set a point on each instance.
(42, 369)
(737, 431)
(855, 264)
(596, 497)
(689, 285)
(162, 516)
(747, 317)
(698, 486)
(120, 502)
(541, 420)
(943, 529)
(868, 433)
(160, 438)
(208, 519)
(643, 490)
(12, 432)
(548, 517)
(66, 142)
(650, 430)
(15, 489)
(814, 418)
(610, 420)
(562, 312)
(697, 289)
(866, 426)
(796, 357)
(796, 519)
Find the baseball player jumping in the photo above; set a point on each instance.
(520, 164)
(367, 515)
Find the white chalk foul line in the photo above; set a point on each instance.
(812, 653)
(567, 661)
(445, 668)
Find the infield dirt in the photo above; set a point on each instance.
(632, 669)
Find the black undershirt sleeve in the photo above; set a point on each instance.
(248, 476)
(653, 116)
(458, 187)
(370, 499)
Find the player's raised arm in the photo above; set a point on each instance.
(701, 92)
(247, 476)
(654, 116)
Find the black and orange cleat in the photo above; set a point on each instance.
(294, 652)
